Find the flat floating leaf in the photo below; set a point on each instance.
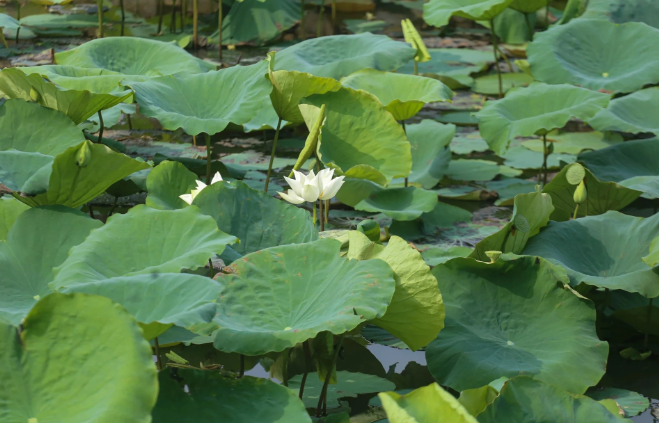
(424, 405)
(542, 329)
(110, 377)
(439, 12)
(305, 288)
(597, 54)
(400, 203)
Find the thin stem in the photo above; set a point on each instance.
(114, 206)
(545, 154)
(402, 122)
(99, 5)
(242, 360)
(219, 31)
(505, 240)
(161, 12)
(576, 209)
(157, 348)
(18, 18)
(184, 9)
(320, 18)
(130, 123)
(208, 159)
(320, 213)
(284, 370)
(302, 31)
(210, 265)
(416, 67)
(323, 392)
(172, 27)
(647, 328)
(327, 206)
(307, 364)
(272, 156)
(91, 210)
(100, 131)
(314, 213)
(195, 23)
(496, 59)
(510, 66)
(529, 26)
(123, 16)
(194, 140)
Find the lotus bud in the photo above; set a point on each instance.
(493, 255)
(580, 194)
(84, 154)
(370, 228)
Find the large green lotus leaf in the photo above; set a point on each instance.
(32, 128)
(528, 6)
(632, 113)
(359, 131)
(519, 157)
(107, 377)
(159, 300)
(531, 212)
(603, 251)
(10, 209)
(524, 399)
(195, 109)
(72, 186)
(25, 172)
(133, 56)
(512, 27)
(399, 203)
(424, 405)
(8, 23)
(258, 220)
(535, 110)
(204, 396)
(575, 142)
(337, 56)
(631, 403)
(78, 105)
(166, 182)
(46, 233)
(507, 189)
(402, 95)
(602, 196)
(66, 24)
(439, 12)
(76, 78)
(349, 385)
(416, 312)
(167, 241)
(489, 84)
(632, 164)
(429, 140)
(478, 170)
(622, 11)
(597, 54)
(514, 317)
(281, 296)
(452, 62)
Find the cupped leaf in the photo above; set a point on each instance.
(197, 395)
(166, 182)
(604, 251)
(416, 312)
(429, 140)
(78, 105)
(542, 328)
(424, 405)
(257, 219)
(402, 95)
(359, 131)
(631, 113)
(400, 203)
(281, 296)
(39, 240)
(597, 54)
(133, 56)
(314, 117)
(523, 399)
(100, 81)
(10, 209)
(602, 196)
(535, 110)
(108, 377)
(439, 12)
(337, 56)
(195, 109)
(175, 240)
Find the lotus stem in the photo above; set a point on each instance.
(172, 27)
(219, 30)
(320, 214)
(195, 23)
(272, 156)
(212, 269)
(496, 59)
(99, 5)
(416, 67)
(320, 18)
(529, 26)
(161, 12)
(208, 158)
(184, 9)
(327, 206)
(284, 369)
(2, 38)
(402, 122)
(100, 131)
(302, 32)
(114, 206)
(130, 123)
(123, 16)
(545, 154)
(647, 327)
(157, 348)
(576, 209)
(91, 210)
(314, 213)
(242, 356)
(505, 58)
(18, 18)
(194, 140)
(323, 392)
(307, 363)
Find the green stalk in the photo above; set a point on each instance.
(272, 155)
(545, 154)
(327, 206)
(323, 392)
(416, 67)
(576, 209)
(212, 269)
(172, 26)
(320, 213)
(314, 213)
(18, 17)
(219, 31)
(99, 4)
(320, 17)
(529, 26)
(242, 360)
(184, 9)
(123, 16)
(284, 369)
(161, 12)
(496, 59)
(307, 363)
(157, 348)
(195, 23)
(647, 327)
(405, 129)
(100, 131)
(208, 158)
(302, 32)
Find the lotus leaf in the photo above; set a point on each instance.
(478, 170)
(166, 183)
(195, 110)
(359, 131)
(314, 118)
(543, 329)
(110, 377)
(633, 113)
(416, 312)
(475, 401)
(451, 62)
(72, 186)
(77, 105)
(413, 37)
(424, 405)
(622, 11)
(439, 12)
(507, 189)
(203, 395)
(430, 156)
(599, 254)
(575, 142)
(133, 56)
(257, 219)
(630, 402)
(349, 385)
(24, 172)
(597, 54)
(535, 110)
(9, 23)
(337, 56)
(489, 84)
(10, 209)
(522, 158)
(602, 196)
(43, 233)
(402, 95)
(354, 190)
(535, 208)
(305, 288)
(523, 399)
(528, 6)
(68, 24)
(400, 203)
(468, 142)
(159, 300)
(105, 254)
(435, 256)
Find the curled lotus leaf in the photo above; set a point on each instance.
(439, 12)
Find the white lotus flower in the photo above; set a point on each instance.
(200, 186)
(312, 187)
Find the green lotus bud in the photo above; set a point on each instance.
(493, 255)
(84, 154)
(176, 358)
(580, 194)
(370, 228)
